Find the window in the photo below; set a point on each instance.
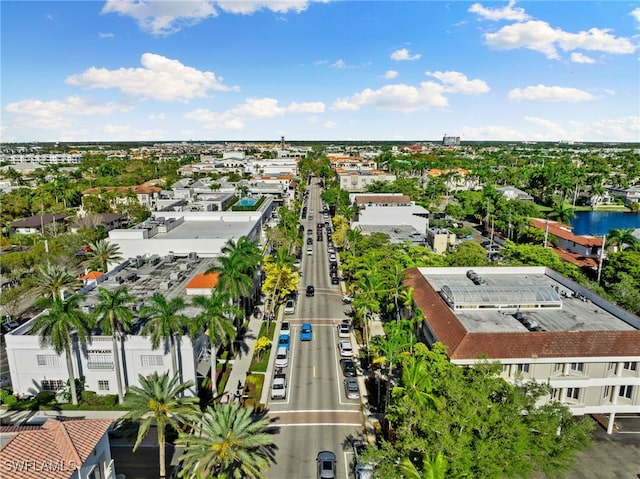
(626, 391)
(557, 368)
(100, 361)
(573, 393)
(51, 384)
(555, 394)
(577, 367)
(151, 360)
(522, 368)
(48, 360)
(630, 366)
(103, 385)
(505, 368)
(607, 391)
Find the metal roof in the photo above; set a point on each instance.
(533, 296)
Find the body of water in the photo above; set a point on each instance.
(598, 223)
(247, 202)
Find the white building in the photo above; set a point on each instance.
(358, 180)
(541, 327)
(393, 214)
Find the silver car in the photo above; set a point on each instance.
(326, 465)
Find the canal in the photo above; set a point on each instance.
(598, 223)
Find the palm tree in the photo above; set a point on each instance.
(395, 286)
(434, 468)
(56, 328)
(227, 443)
(54, 279)
(365, 301)
(114, 317)
(416, 384)
(623, 237)
(158, 400)
(562, 212)
(216, 309)
(103, 253)
(164, 323)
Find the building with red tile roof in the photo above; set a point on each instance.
(540, 326)
(70, 449)
(202, 284)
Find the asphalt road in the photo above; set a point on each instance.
(315, 415)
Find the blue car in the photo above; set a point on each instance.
(306, 333)
(283, 341)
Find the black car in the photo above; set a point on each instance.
(319, 238)
(335, 280)
(309, 240)
(333, 266)
(311, 291)
(348, 367)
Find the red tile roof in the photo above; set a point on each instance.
(364, 199)
(577, 259)
(202, 281)
(463, 344)
(563, 231)
(92, 275)
(53, 450)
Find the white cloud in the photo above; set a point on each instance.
(398, 97)
(456, 82)
(105, 35)
(577, 57)
(540, 36)
(330, 124)
(549, 94)
(493, 133)
(161, 79)
(390, 74)
(622, 129)
(403, 55)
(308, 107)
(246, 7)
(57, 114)
(339, 64)
(162, 17)
(159, 116)
(504, 13)
(636, 15)
(548, 125)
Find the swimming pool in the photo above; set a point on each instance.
(247, 202)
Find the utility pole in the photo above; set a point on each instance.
(604, 238)
(546, 234)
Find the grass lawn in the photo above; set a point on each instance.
(253, 389)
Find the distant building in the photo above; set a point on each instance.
(513, 193)
(358, 180)
(440, 240)
(450, 140)
(629, 195)
(36, 223)
(581, 250)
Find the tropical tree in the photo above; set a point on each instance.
(164, 323)
(52, 280)
(395, 287)
(104, 253)
(114, 317)
(432, 468)
(57, 327)
(365, 302)
(227, 443)
(158, 401)
(623, 237)
(217, 308)
(562, 212)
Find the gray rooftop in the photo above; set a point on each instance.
(505, 297)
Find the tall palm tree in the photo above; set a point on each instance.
(394, 279)
(228, 442)
(366, 299)
(562, 212)
(214, 319)
(103, 253)
(56, 328)
(158, 400)
(114, 317)
(164, 323)
(52, 280)
(416, 384)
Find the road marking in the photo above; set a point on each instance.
(314, 372)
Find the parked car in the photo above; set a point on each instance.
(309, 251)
(285, 328)
(309, 241)
(351, 388)
(344, 330)
(290, 307)
(348, 368)
(306, 332)
(335, 280)
(346, 351)
(282, 357)
(362, 470)
(326, 461)
(283, 341)
(311, 291)
(279, 386)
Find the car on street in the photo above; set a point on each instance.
(348, 368)
(283, 341)
(309, 251)
(344, 330)
(309, 232)
(285, 328)
(335, 280)
(362, 470)
(282, 358)
(311, 291)
(309, 241)
(279, 386)
(346, 351)
(326, 461)
(351, 388)
(290, 307)
(306, 332)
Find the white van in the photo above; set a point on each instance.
(282, 357)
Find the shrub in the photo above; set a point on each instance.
(90, 397)
(11, 401)
(45, 397)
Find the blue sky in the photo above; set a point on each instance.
(320, 70)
